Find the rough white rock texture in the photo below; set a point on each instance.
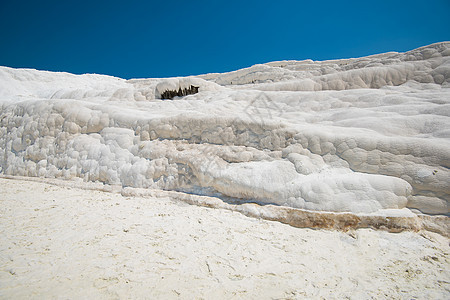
(359, 135)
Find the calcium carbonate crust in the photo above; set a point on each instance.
(357, 135)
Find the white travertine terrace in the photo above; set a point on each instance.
(362, 135)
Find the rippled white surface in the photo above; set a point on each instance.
(359, 135)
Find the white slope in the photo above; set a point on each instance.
(360, 135)
(60, 242)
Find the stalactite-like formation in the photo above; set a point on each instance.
(170, 94)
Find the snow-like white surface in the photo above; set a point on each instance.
(360, 135)
(60, 242)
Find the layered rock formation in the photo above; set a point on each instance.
(361, 135)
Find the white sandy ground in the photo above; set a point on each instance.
(61, 242)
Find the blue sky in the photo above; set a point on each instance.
(135, 39)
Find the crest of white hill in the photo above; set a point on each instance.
(360, 135)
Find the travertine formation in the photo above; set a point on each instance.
(363, 135)
(60, 241)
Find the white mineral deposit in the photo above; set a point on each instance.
(116, 188)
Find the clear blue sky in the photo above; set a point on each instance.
(134, 39)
